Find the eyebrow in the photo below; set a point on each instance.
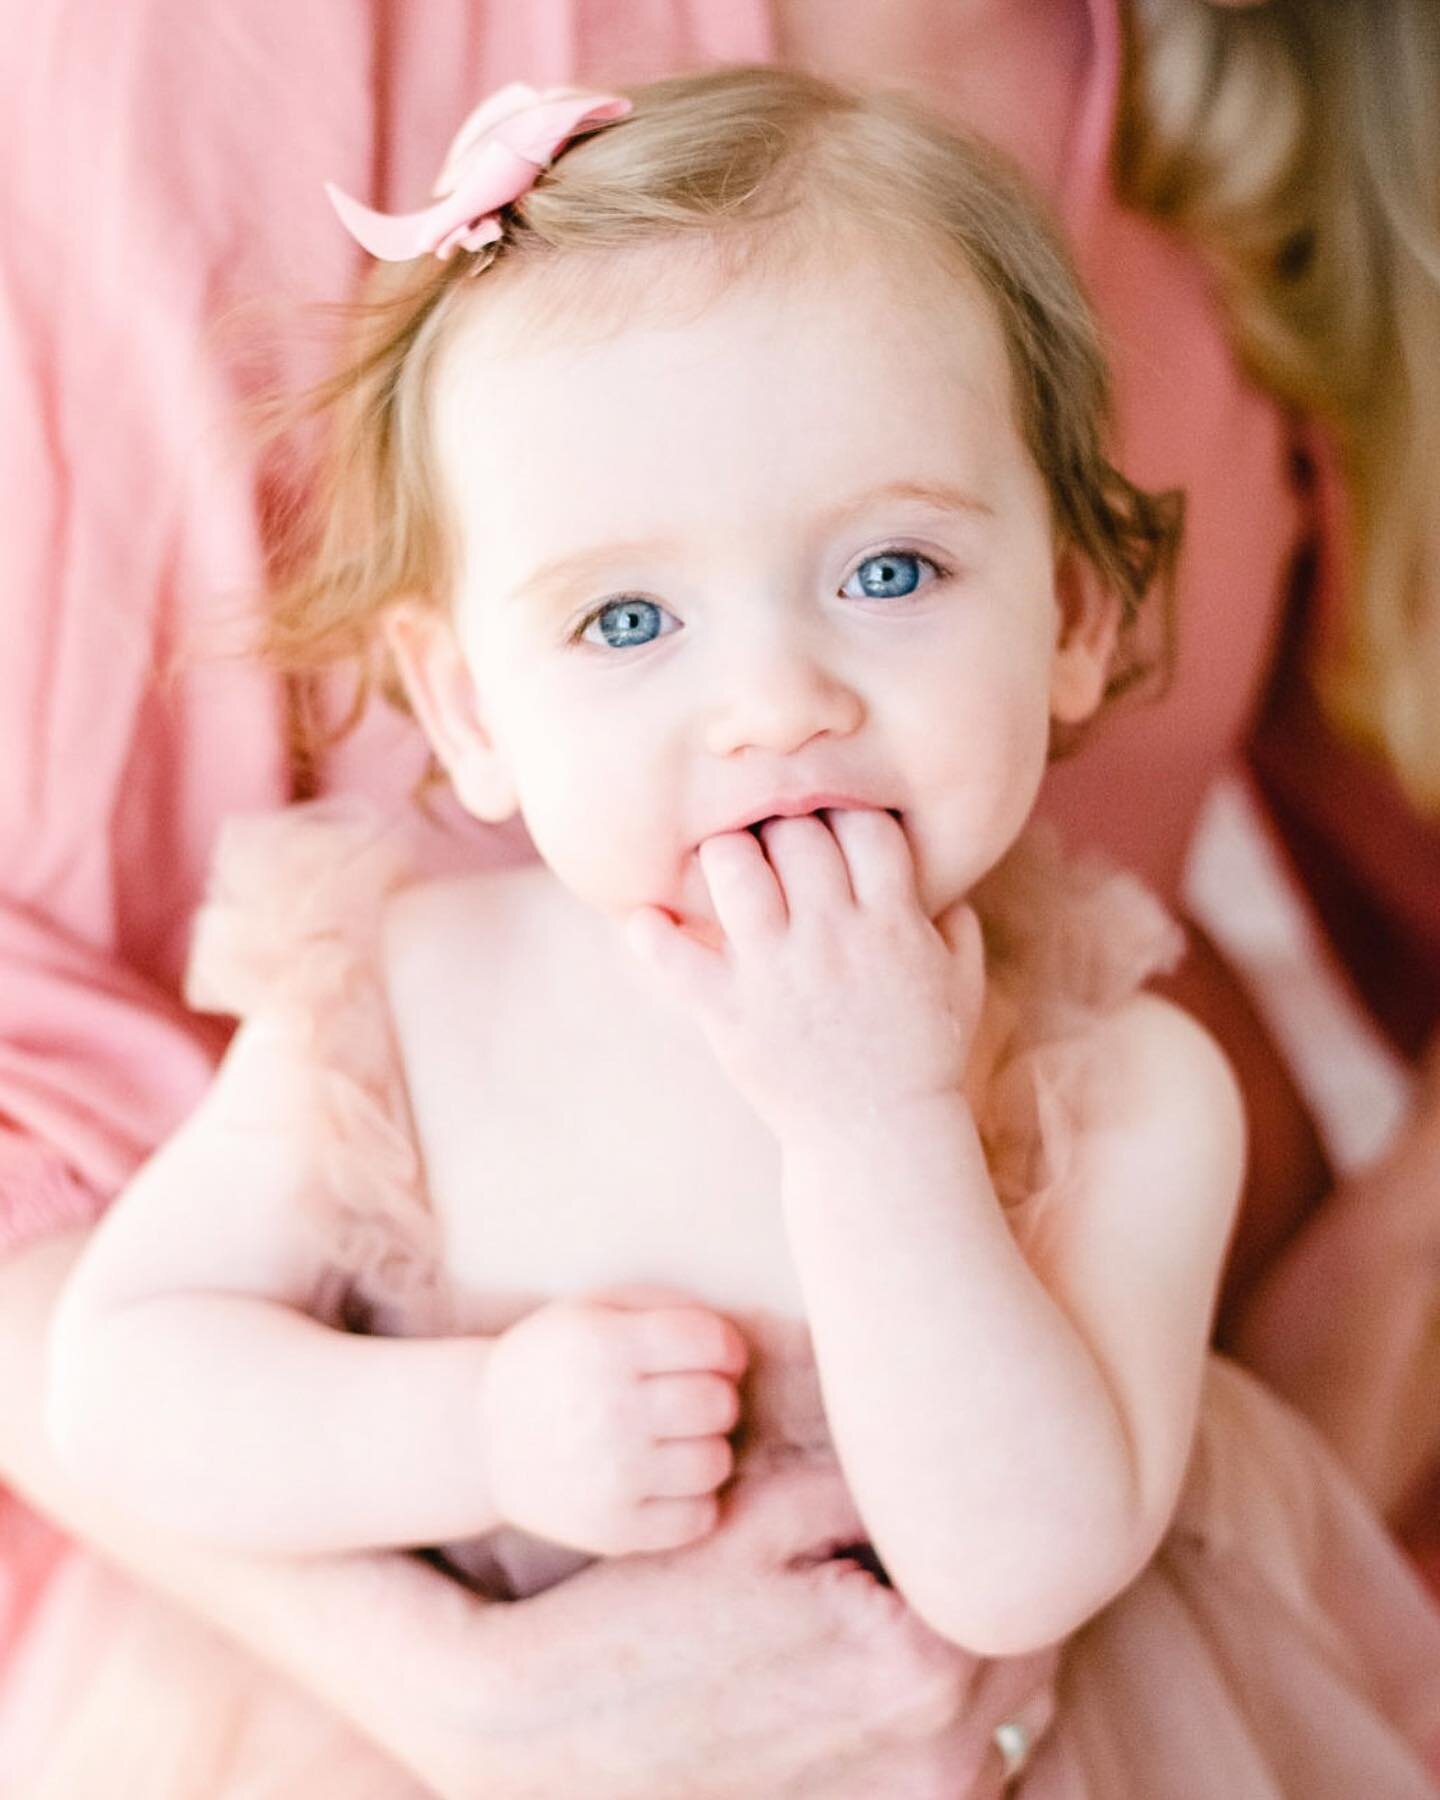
(562, 572)
(937, 494)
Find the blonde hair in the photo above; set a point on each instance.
(749, 166)
(1298, 145)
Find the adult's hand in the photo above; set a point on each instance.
(744, 1665)
(747, 1664)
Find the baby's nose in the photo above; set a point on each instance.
(779, 702)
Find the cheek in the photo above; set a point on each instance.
(586, 811)
(600, 770)
(981, 767)
(991, 729)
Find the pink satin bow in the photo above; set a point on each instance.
(496, 156)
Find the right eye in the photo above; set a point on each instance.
(624, 623)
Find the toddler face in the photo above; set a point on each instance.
(786, 546)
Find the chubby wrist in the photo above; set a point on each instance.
(890, 1169)
(898, 1124)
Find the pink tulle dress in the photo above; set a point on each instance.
(1277, 1646)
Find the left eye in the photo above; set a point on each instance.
(631, 617)
(889, 575)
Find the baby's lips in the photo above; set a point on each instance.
(822, 812)
(816, 812)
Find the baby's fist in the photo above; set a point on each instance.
(606, 1420)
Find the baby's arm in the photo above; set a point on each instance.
(746, 1664)
(1016, 1426)
(189, 1379)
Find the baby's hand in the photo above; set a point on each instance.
(606, 1420)
(835, 996)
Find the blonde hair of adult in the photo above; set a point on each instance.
(742, 171)
(1297, 144)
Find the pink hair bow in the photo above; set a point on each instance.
(496, 156)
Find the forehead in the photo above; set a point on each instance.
(710, 403)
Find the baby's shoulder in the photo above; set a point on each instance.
(1151, 1067)
(456, 911)
(483, 909)
(485, 916)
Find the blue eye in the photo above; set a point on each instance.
(630, 618)
(888, 575)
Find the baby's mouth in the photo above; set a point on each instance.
(701, 923)
(773, 818)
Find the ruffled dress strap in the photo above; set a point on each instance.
(1068, 939)
(290, 931)
(1071, 937)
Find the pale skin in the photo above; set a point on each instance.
(817, 986)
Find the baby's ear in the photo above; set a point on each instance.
(1086, 633)
(441, 690)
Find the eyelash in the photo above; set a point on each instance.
(938, 570)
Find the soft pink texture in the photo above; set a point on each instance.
(1277, 1645)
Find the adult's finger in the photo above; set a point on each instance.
(788, 1518)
